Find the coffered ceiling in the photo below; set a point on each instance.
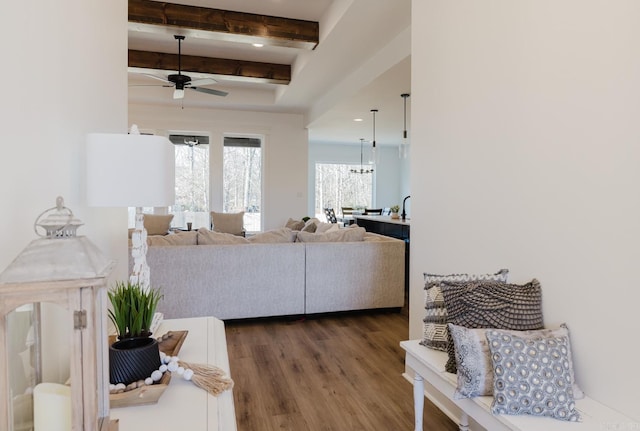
(330, 60)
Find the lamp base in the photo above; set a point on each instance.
(141, 273)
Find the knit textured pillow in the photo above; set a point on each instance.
(490, 304)
(435, 332)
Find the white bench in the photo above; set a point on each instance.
(428, 365)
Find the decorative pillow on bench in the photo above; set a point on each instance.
(473, 359)
(542, 368)
(489, 304)
(435, 333)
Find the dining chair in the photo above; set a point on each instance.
(331, 215)
(369, 211)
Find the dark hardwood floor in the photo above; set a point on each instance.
(324, 373)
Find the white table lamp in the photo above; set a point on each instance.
(131, 170)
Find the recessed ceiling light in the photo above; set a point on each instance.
(258, 45)
(357, 119)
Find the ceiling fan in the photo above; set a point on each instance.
(181, 82)
(189, 140)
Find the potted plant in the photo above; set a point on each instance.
(135, 355)
(394, 211)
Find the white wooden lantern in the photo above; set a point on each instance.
(53, 332)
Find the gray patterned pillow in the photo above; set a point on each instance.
(435, 334)
(473, 359)
(532, 376)
(488, 304)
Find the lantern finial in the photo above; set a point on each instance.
(59, 224)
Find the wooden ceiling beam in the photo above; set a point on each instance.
(238, 70)
(162, 17)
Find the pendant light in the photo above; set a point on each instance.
(362, 170)
(375, 157)
(403, 148)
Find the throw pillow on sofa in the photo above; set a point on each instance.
(282, 235)
(326, 227)
(340, 235)
(294, 224)
(157, 224)
(310, 225)
(179, 238)
(228, 222)
(208, 237)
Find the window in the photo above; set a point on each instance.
(242, 179)
(192, 181)
(337, 187)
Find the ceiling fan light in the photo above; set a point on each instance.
(375, 155)
(178, 93)
(403, 148)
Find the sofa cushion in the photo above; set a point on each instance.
(490, 304)
(228, 222)
(340, 235)
(157, 224)
(208, 237)
(435, 333)
(326, 227)
(179, 238)
(281, 235)
(294, 224)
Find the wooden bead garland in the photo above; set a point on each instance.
(208, 377)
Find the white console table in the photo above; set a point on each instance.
(183, 405)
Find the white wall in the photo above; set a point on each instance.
(64, 74)
(285, 152)
(526, 115)
(388, 175)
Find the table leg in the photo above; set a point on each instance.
(418, 400)
(464, 422)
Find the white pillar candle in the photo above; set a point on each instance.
(51, 407)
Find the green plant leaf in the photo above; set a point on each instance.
(132, 308)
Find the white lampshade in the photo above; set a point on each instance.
(129, 170)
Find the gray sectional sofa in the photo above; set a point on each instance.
(248, 280)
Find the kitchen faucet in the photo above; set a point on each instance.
(404, 214)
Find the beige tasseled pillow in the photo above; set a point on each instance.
(156, 224)
(228, 222)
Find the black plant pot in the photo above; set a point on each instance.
(133, 359)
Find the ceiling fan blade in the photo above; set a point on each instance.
(210, 91)
(201, 82)
(159, 78)
(149, 85)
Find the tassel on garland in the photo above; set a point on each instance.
(208, 377)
